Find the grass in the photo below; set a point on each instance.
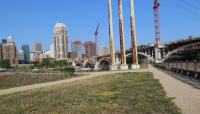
(22, 79)
(127, 93)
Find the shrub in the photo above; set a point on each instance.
(69, 70)
(5, 64)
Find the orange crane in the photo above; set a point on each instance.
(96, 39)
(156, 22)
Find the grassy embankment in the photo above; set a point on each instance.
(21, 79)
(127, 93)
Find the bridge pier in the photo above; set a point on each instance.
(157, 55)
(123, 67)
(114, 67)
(135, 66)
(96, 67)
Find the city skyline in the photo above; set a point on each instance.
(100, 56)
(34, 22)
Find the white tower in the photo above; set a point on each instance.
(60, 41)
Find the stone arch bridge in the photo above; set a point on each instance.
(155, 54)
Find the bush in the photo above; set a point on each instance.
(5, 64)
(69, 70)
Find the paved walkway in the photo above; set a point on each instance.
(186, 97)
(41, 85)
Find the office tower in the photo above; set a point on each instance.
(21, 56)
(60, 41)
(4, 41)
(103, 51)
(26, 50)
(45, 54)
(90, 49)
(35, 56)
(51, 53)
(36, 47)
(9, 40)
(77, 49)
(71, 55)
(1, 56)
(9, 51)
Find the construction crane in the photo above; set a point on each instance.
(156, 22)
(96, 39)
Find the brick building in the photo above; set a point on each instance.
(8, 51)
(90, 49)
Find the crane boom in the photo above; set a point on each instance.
(96, 39)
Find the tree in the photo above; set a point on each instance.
(69, 70)
(5, 64)
(62, 63)
(45, 62)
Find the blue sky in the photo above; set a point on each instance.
(30, 21)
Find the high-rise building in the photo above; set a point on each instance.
(72, 55)
(21, 56)
(4, 41)
(52, 51)
(77, 49)
(45, 54)
(60, 41)
(26, 50)
(9, 51)
(36, 47)
(103, 51)
(1, 56)
(90, 50)
(36, 52)
(35, 56)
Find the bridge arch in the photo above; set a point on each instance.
(89, 63)
(79, 63)
(104, 59)
(104, 63)
(144, 54)
(179, 49)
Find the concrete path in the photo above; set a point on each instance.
(47, 84)
(186, 97)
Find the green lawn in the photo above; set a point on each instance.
(127, 93)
